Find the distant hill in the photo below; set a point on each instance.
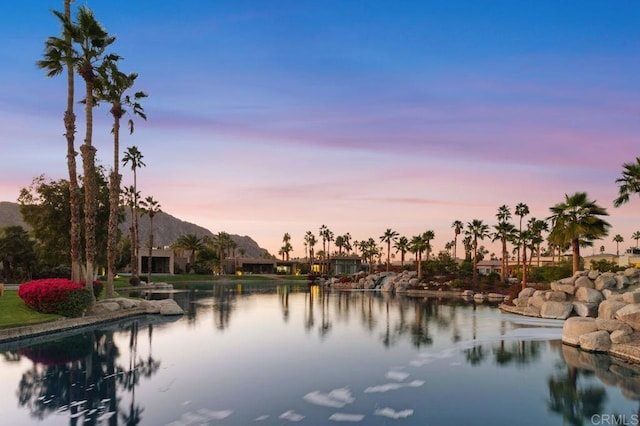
(166, 229)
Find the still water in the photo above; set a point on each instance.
(269, 355)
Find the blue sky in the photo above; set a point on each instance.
(269, 117)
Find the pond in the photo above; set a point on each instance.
(270, 354)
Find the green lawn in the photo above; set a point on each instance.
(14, 313)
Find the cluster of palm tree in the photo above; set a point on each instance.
(82, 49)
(209, 251)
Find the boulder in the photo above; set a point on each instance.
(622, 282)
(556, 310)
(575, 327)
(531, 311)
(149, 306)
(495, 296)
(607, 309)
(632, 273)
(630, 314)
(584, 282)
(103, 307)
(556, 296)
(613, 325)
(170, 307)
(588, 295)
(536, 301)
(585, 309)
(592, 275)
(596, 341)
(566, 288)
(527, 292)
(631, 297)
(619, 337)
(605, 280)
(126, 303)
(521, 302)
(567, 281)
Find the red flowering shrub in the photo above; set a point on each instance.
(55, 296)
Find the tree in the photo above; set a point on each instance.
(417, 245)
(191, 243)
(578, 220)
(629, 183)
(311, 241)
(401, 245)
(636, 236)
(17, 250)
(134, 156)
(111, 86)
(286, 247)
(59, 55)
(388, 237)
(428, 236)
(477, 230)
(521, 210)
(457, 229)
(340, 244)
(536, 227)
(618, 239)
(151, 208)
(504, 232)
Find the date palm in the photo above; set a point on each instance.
(457, 229)
(401, 245)
(636, 236)
(191, 243)
(537, 227)
(578, 220)
(111, 86)
(150, 207)
(521, 210)
(477, 230)
(134, 156)
(504, 232)
(618, 239)
(59, 56)
(428, 236)
(629, 183)
(417, 245)
(388, 237)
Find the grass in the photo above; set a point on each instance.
(14, 313)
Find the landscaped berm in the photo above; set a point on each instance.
(602, 310)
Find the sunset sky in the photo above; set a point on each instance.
(266, 117)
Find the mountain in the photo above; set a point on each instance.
(166, 229)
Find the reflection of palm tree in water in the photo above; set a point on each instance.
(308, 306)
(577, 404)
(325, 325)
(420, 328)
(283, 291)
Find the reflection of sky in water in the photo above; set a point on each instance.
(342, 358)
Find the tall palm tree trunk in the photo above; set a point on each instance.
(90, 186)
(149, 263)
(74, 191)
(575, 248)
(114, 202)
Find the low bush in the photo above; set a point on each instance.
(56, 296)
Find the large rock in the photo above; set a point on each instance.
(585, 309)
(575, 327)
(632, 273)
(537, 301)
(566, 288)
(521, 302)
(622, 281)
(527, 292)
(606, 280)
(607, 309)
(556, 296)
(588, 295)
(596, 341)
(618, 336)
(103, 308)
(170, 307)
(556, 310)
(584, 282)
(613, 325)
(631, 297)
(592, 275)
(630, 314)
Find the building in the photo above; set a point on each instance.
(162, 261)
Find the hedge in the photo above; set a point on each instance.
(57, 296)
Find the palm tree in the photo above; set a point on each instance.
(618, 239)
(110, 86)
(428, 236)
(521, 210)
(477, 230)
(417, 245)
(629, 183)
(150, 207)
(59, 55)
(537, 227)
(323, 234)
(388, 237)
(457, 229)
(636, 236)
(401, 245)
(190, 242)
(340, 244)
(134, 156)
(130, 197)
(505, 232)
(577, 220)
(312, 241)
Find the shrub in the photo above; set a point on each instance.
(56, 296)
(134, 280)
(97, 289)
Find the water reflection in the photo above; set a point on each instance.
(85, 376)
